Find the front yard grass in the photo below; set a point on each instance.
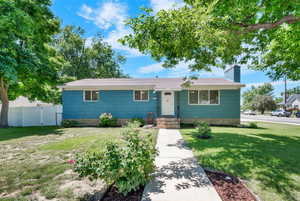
(268, 157)
(33, 160)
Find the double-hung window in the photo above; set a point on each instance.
(141, 95)
(91, 96)
(204, 97)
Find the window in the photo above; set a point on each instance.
(91, 96)
(203, 97)
(214, 97)
(141, 95)
(193, 97)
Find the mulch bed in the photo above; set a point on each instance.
(229, 188)
(113, 195)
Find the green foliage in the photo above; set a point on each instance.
(215, 33)
(69, 123)
(263, 103)
(126, 167)
(28, 64)
(107, 120)
(289, 92)
(203, 129)
(253, 125)
(141, 121)
(87, 58)
(249, 95)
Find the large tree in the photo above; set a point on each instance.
(263, 103)
(87, 58)
(264, 34)
(28, 65)
(249, 96)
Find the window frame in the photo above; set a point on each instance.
(141, 96)
(219, 98)
(97, 92)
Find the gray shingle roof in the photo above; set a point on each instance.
(155, 83)
(292, 98)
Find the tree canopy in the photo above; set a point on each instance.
(28, 65)
(289, 92)
(263, 103)
(263, 34)
(250, 95)
(87, 58)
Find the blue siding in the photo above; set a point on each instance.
(119, 103)
(229, 106)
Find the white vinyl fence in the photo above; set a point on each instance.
(35, 116)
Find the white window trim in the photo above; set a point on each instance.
(91, 95)
(208, 97)
(140, 100)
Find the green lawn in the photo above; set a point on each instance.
(33, 160)
(268, 157)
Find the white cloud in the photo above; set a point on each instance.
(110, 15)
(153, 68)
(182, 69)
(158, 5)
(106, 15)
(113, 38)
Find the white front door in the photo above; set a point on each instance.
(167, 103)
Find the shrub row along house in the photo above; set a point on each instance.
(167, 100)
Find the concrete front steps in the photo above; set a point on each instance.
(168, 122)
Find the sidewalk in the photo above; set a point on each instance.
(178, 177)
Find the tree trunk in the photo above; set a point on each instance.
(262, 111)
(5, 104)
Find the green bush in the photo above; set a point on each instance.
(253, 125)
(203, 129)
(107, 120)
(139, 120)
(126, 167)
(69, 123)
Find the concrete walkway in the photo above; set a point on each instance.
(178, 176)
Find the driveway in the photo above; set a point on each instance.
(264, 118)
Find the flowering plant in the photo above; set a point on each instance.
(107, 120)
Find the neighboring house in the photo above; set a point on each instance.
(293, 102)
(215, 100)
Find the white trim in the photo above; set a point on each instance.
(111, 87)
(89, 101)
(219, 97)
(151, 87)
(141, 96)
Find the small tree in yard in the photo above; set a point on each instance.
(28, 65)
(126, 167)
(263, 103)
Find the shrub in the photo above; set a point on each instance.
(253, 125)
(203, 129)
(139, 120)
(69, 123)
(126, 167)
(107, 120)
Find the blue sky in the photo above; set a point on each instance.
(107, 17)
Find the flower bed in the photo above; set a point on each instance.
(113, 195)
(229, 188)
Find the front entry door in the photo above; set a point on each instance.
(167, 103)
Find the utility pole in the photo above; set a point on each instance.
(285, 89)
